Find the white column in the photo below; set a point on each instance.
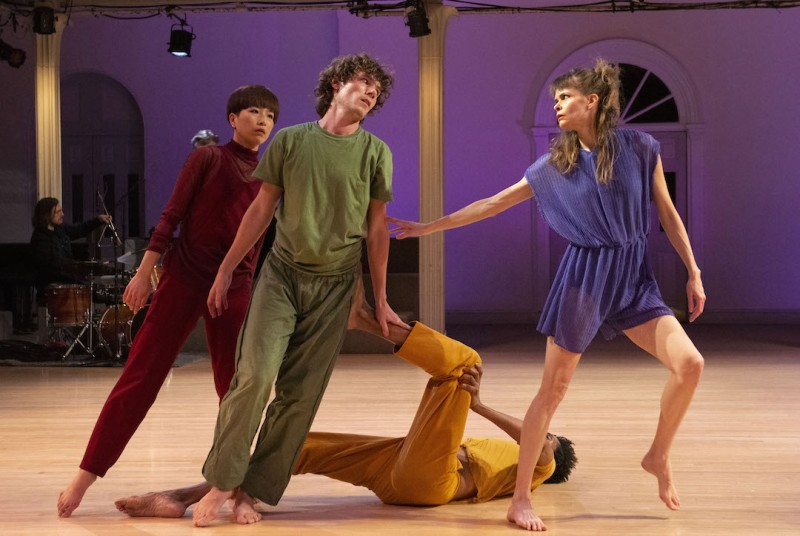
(48, 113)
(431, 164)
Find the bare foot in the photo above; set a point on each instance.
(521, 513)
(244, 509)
(662, 470)
(158, 504)
(70, 498)
(207, 509)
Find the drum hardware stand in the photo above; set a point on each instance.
(88, 322)
(86, 325)
(116, 243)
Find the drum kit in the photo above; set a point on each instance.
(91, 315)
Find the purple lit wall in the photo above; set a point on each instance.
(743, 65)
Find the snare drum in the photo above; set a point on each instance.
(67, 305)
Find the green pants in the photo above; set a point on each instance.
(294, 329)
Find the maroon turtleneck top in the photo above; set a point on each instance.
(212, 193)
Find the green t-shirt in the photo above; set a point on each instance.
(327, 183)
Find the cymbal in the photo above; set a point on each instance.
(91, 268)
(91, 263)
(131, 255)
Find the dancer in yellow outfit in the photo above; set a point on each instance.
(432, 465)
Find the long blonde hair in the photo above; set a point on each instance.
(602, 80)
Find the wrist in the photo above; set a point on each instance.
(694, 275)
(225, 268)
(476, 405)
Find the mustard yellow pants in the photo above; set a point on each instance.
(421, 468)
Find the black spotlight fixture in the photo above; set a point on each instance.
(44, 20)
(14, 56)
(180, 38)
(417, 19)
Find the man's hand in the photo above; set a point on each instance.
(105, 218)
(385, 315)
(137, 291)
(218, 295)
(470, 381)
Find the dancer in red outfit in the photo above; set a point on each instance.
(212, 193)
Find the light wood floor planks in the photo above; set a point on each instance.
(736, 461)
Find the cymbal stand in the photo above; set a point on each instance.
(116, 242)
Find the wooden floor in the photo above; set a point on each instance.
(736, 461)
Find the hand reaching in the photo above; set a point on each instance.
(407, 229)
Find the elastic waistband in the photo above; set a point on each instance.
(276, 262)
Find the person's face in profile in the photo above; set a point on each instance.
(56, 216)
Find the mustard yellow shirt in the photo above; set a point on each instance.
(493, 464)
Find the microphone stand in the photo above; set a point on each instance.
(116, 243)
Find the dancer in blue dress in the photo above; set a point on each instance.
(594, 188)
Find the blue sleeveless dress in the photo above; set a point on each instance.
(604, 281)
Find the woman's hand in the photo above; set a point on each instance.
(407, 229)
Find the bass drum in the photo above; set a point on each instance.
(138, 320)
(118, 328)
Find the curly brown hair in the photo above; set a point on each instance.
(602, 80)
(342, 70)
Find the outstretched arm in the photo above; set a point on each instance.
(676, 232)
(479, 210)
(254, 222)
(470, 381)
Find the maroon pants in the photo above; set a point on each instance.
(173, 313)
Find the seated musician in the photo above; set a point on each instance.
(51, 250)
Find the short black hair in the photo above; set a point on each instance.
(565, 458)
(342, 70)
(43, 212)
(258, 96)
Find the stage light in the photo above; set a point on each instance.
(180, 40)
(44, 20)
(14, 56)
(417, 19)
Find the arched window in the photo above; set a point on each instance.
(645, 97)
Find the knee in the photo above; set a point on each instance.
(471, 357)
(690, 367)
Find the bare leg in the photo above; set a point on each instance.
(207, 509)
(169, 503)
(70, 498)
(244, 509)
(559, 366)
(664, 338)
(362, 317)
